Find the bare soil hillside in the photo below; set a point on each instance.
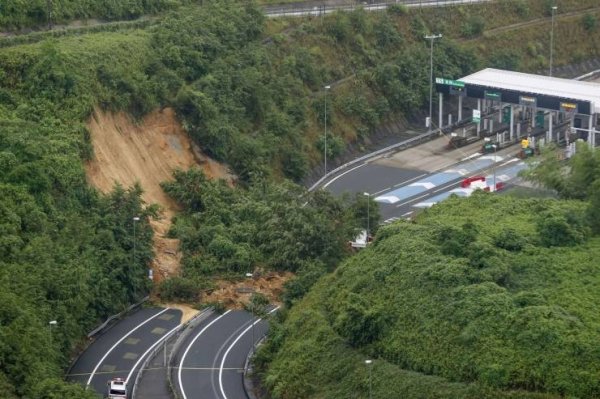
(147, 151)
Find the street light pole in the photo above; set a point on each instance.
(325, 142)
(250, 275)
(494, 165)
(135, 219)
(368, 215)
(50, 324)
(552, 39)
(369, 362)
(432, 38)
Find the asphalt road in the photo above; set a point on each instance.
(119, 351)
(211, 360)
(404, 182)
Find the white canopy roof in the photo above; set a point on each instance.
(537, 84)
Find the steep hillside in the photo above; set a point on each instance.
(489, 297)
(147, 153)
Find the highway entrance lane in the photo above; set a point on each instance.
(119, 351)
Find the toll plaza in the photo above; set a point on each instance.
(510, 107)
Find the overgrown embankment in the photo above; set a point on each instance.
(488, 297)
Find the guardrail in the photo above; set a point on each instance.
(406, 143)
(182, 334)
(116, 316)
(175, 334)
(588, 75)
(290, 11)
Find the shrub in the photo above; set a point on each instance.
(179, 289)
(589, 22)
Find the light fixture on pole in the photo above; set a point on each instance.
(250, 275)
(432, 38)
(495, 147)
(325, 141)
(368, 216)
(135, 219)
(554, 8)
(369, 363)
(52, 323)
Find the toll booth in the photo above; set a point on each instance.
(512, 105)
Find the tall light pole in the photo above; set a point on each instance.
(325, 142)
(432, 38)
(495, 147)
(250, 275)
(368, 215)
(554, 8)
(135, 219)
(369, 364)
(50, 324)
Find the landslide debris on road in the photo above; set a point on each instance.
(147, 151)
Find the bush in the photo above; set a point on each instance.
(589, 22)
(473, 26)
(179, 289)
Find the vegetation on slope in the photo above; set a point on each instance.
(249, 92)
(231, 231)
(17, 14)
(66, 251)
(485, 297)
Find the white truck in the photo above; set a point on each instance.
(117, 389)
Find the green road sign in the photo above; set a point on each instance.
(449, 82)
(506, 111)
(476, 115)
(539, 119)
(492, 95)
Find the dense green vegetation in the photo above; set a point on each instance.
(231, 231)
(250, 93)
(66, 251)
(485, 297)
(488, 297)
(17, 14)
(65, 255)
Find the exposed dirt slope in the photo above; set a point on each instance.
(147, 152)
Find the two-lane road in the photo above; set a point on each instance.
(119, 352)
(211, 360)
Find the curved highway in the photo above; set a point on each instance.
(210, 362)
(118, 352)
(406, 181)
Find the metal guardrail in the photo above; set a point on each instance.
(588, 75)
(317, 10)
(182, 334)
(116, 316)
(406, 143)
(174, 334)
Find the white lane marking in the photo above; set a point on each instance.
(188, 349)
(510, 161)
(231, 346)
(427, 185)
(148, 351)
(412, 200)
(342, 174)
(118, 342)
(390, 199)
(409, 180)
(471, 156)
